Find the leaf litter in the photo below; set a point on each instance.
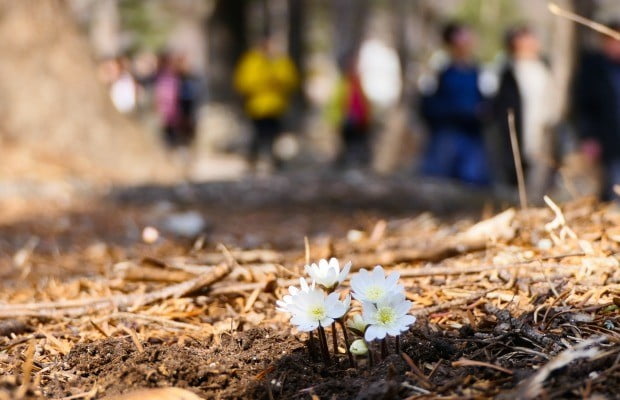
(521, 305)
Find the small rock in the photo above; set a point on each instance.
(354, 235)
(187, 224)
(150, 235)
(544, 244)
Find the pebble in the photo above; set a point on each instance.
(150, 235)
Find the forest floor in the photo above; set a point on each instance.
(93, 305)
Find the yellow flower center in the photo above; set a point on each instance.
(386, 316)
(375, 293)
(317, 312)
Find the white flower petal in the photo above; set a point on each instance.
(402, 307)
(393, 331)
(378, 272)
(347, 301)
(374, 332)
(355, 284)
(407, 320)
(344, 272)
(335, 308)
(337, 311)
(399, 289)
(332, 298)
(369, 311)
(331, 278)
(304, 324)
(392, 278)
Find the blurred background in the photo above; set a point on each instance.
(128, 91)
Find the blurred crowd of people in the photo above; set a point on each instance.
(163, 83)
(267, 78)
(469, 134)
(470, 138)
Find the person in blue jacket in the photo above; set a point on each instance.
(453, 113)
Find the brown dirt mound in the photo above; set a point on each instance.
(264, 364)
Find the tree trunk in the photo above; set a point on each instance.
(562, 56)
(52, 100)
(296, 50)
(349, 21)
(296, 9)
(227, 42)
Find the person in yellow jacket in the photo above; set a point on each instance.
(266, 81)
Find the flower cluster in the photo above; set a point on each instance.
(315, 306)
(310, 306)
(385, 311)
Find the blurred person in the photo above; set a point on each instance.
(188, 101)
(124, 89)
(596, 109)
(350, 111)
(266, 79)
(526, 87)
(453, 113)
(167, 89)
(145, 68)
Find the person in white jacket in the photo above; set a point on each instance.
(526, 88)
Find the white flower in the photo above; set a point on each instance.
(328, 273)
(357, 324)
(358, 347)
(374, 286)
(387, 317)
(312, 308)
(287, 300)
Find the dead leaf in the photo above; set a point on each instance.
(157, 394)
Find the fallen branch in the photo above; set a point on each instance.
(457, 270)
(122, 302)
(151, 318)
(533, 386)
(473, 363)
(227, 287)
(449, 304)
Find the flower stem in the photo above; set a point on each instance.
(397, 344)
(324, 348)
(321, 346)
(335, 342)
(371, 361)
(346, 343)
(311, 346)
(384, 349)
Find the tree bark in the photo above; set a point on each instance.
(349, 21)
(227, 42)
